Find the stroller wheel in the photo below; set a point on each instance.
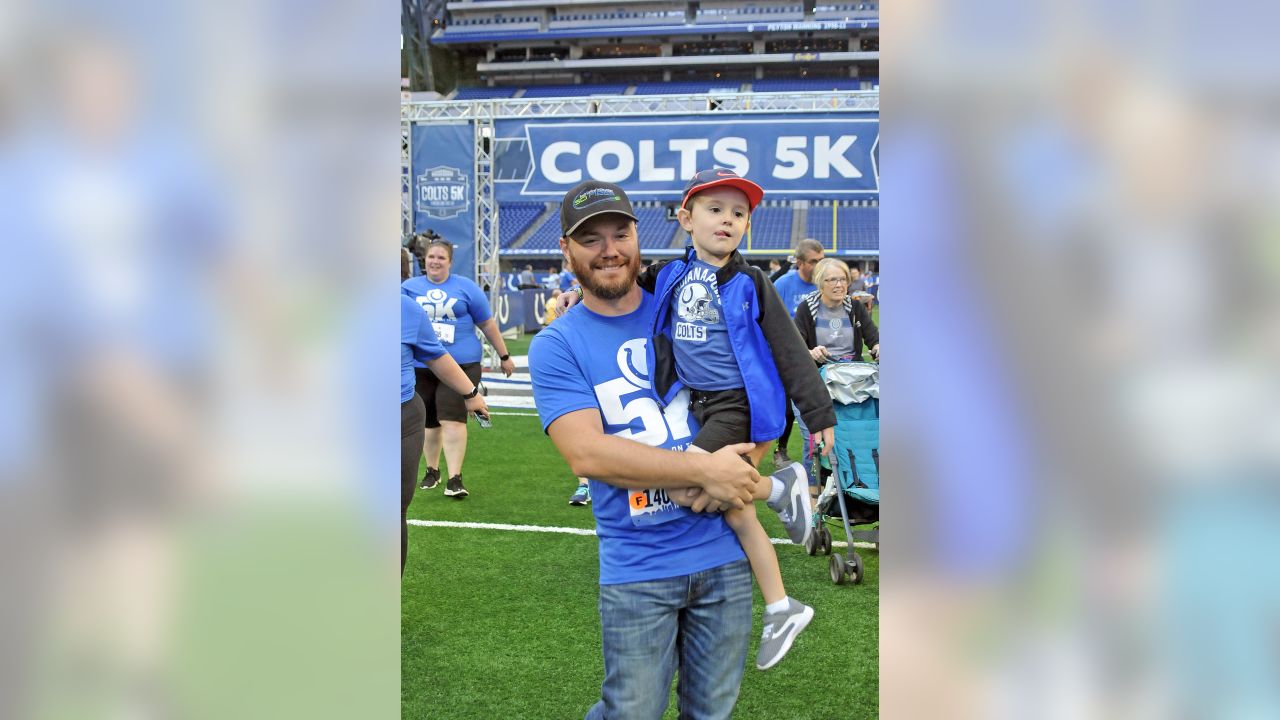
(856, 569)
(811, 542)
(837, 567)
(825, 540)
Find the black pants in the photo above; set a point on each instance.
(724, 416)
(412, 432)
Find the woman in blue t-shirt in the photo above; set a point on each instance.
(457, 308)
(418, 343)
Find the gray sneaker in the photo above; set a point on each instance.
(780, 630)
(793, 507)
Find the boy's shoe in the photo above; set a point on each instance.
(781, 459)
(581, 496)
(454, 488)
(780, 630)
(793, 507)
(431, 479)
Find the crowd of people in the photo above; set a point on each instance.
(655, 384)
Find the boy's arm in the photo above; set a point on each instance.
(624, 463)
(799, 375)
(648, 278)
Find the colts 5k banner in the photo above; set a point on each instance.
(826, 155)
(444, 188)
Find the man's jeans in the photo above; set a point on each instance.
(699, 623)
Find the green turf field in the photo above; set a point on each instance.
(501, 624)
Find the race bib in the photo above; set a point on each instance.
(653, 507)
(444, 332)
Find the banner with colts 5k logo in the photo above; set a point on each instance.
(444, 188)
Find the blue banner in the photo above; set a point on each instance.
(794, 156)
(444, 188)
(522, 309)
(509, 310)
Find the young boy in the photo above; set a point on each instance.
(722, 331)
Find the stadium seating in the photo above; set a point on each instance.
(771, 228)
(683, 88)
(514, 218)
(655, 230)
(806, 84)
(543, 91)
(484, 93)
(546, 237)
(857, 228)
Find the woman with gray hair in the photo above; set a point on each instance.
(834, 325)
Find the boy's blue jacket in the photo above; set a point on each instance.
(767, 346)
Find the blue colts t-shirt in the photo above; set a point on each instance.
(596, 362)
(455, 307)
(700, 338)
(417, 343)
(792, 290)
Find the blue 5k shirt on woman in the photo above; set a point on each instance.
(455, 307)
(588, 361)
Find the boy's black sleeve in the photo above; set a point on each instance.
(648, 277)
(796, 369)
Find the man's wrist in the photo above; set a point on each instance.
(474, 391)
(504, 357)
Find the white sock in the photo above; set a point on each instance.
(773, 608)
(775, 494)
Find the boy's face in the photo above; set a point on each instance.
(716, 219)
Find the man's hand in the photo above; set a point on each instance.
(828, 439)
(875, 351)
(725, 478)
(508, 366)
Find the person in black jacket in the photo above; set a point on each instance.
(833, 325)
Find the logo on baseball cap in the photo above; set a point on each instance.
(720, 177)
(589, 199)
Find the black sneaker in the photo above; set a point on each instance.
(431, 479)
(454, 488)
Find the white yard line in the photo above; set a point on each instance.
(567, 530)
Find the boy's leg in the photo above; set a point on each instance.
(755, 542)
(784, 617)
(686, 496)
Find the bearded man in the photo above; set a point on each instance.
(675, 586)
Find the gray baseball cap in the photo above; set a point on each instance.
(589, 199)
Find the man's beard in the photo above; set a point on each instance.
(602, 290)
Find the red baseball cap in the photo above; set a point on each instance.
(719, 177)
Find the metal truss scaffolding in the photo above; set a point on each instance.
(484, 112)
